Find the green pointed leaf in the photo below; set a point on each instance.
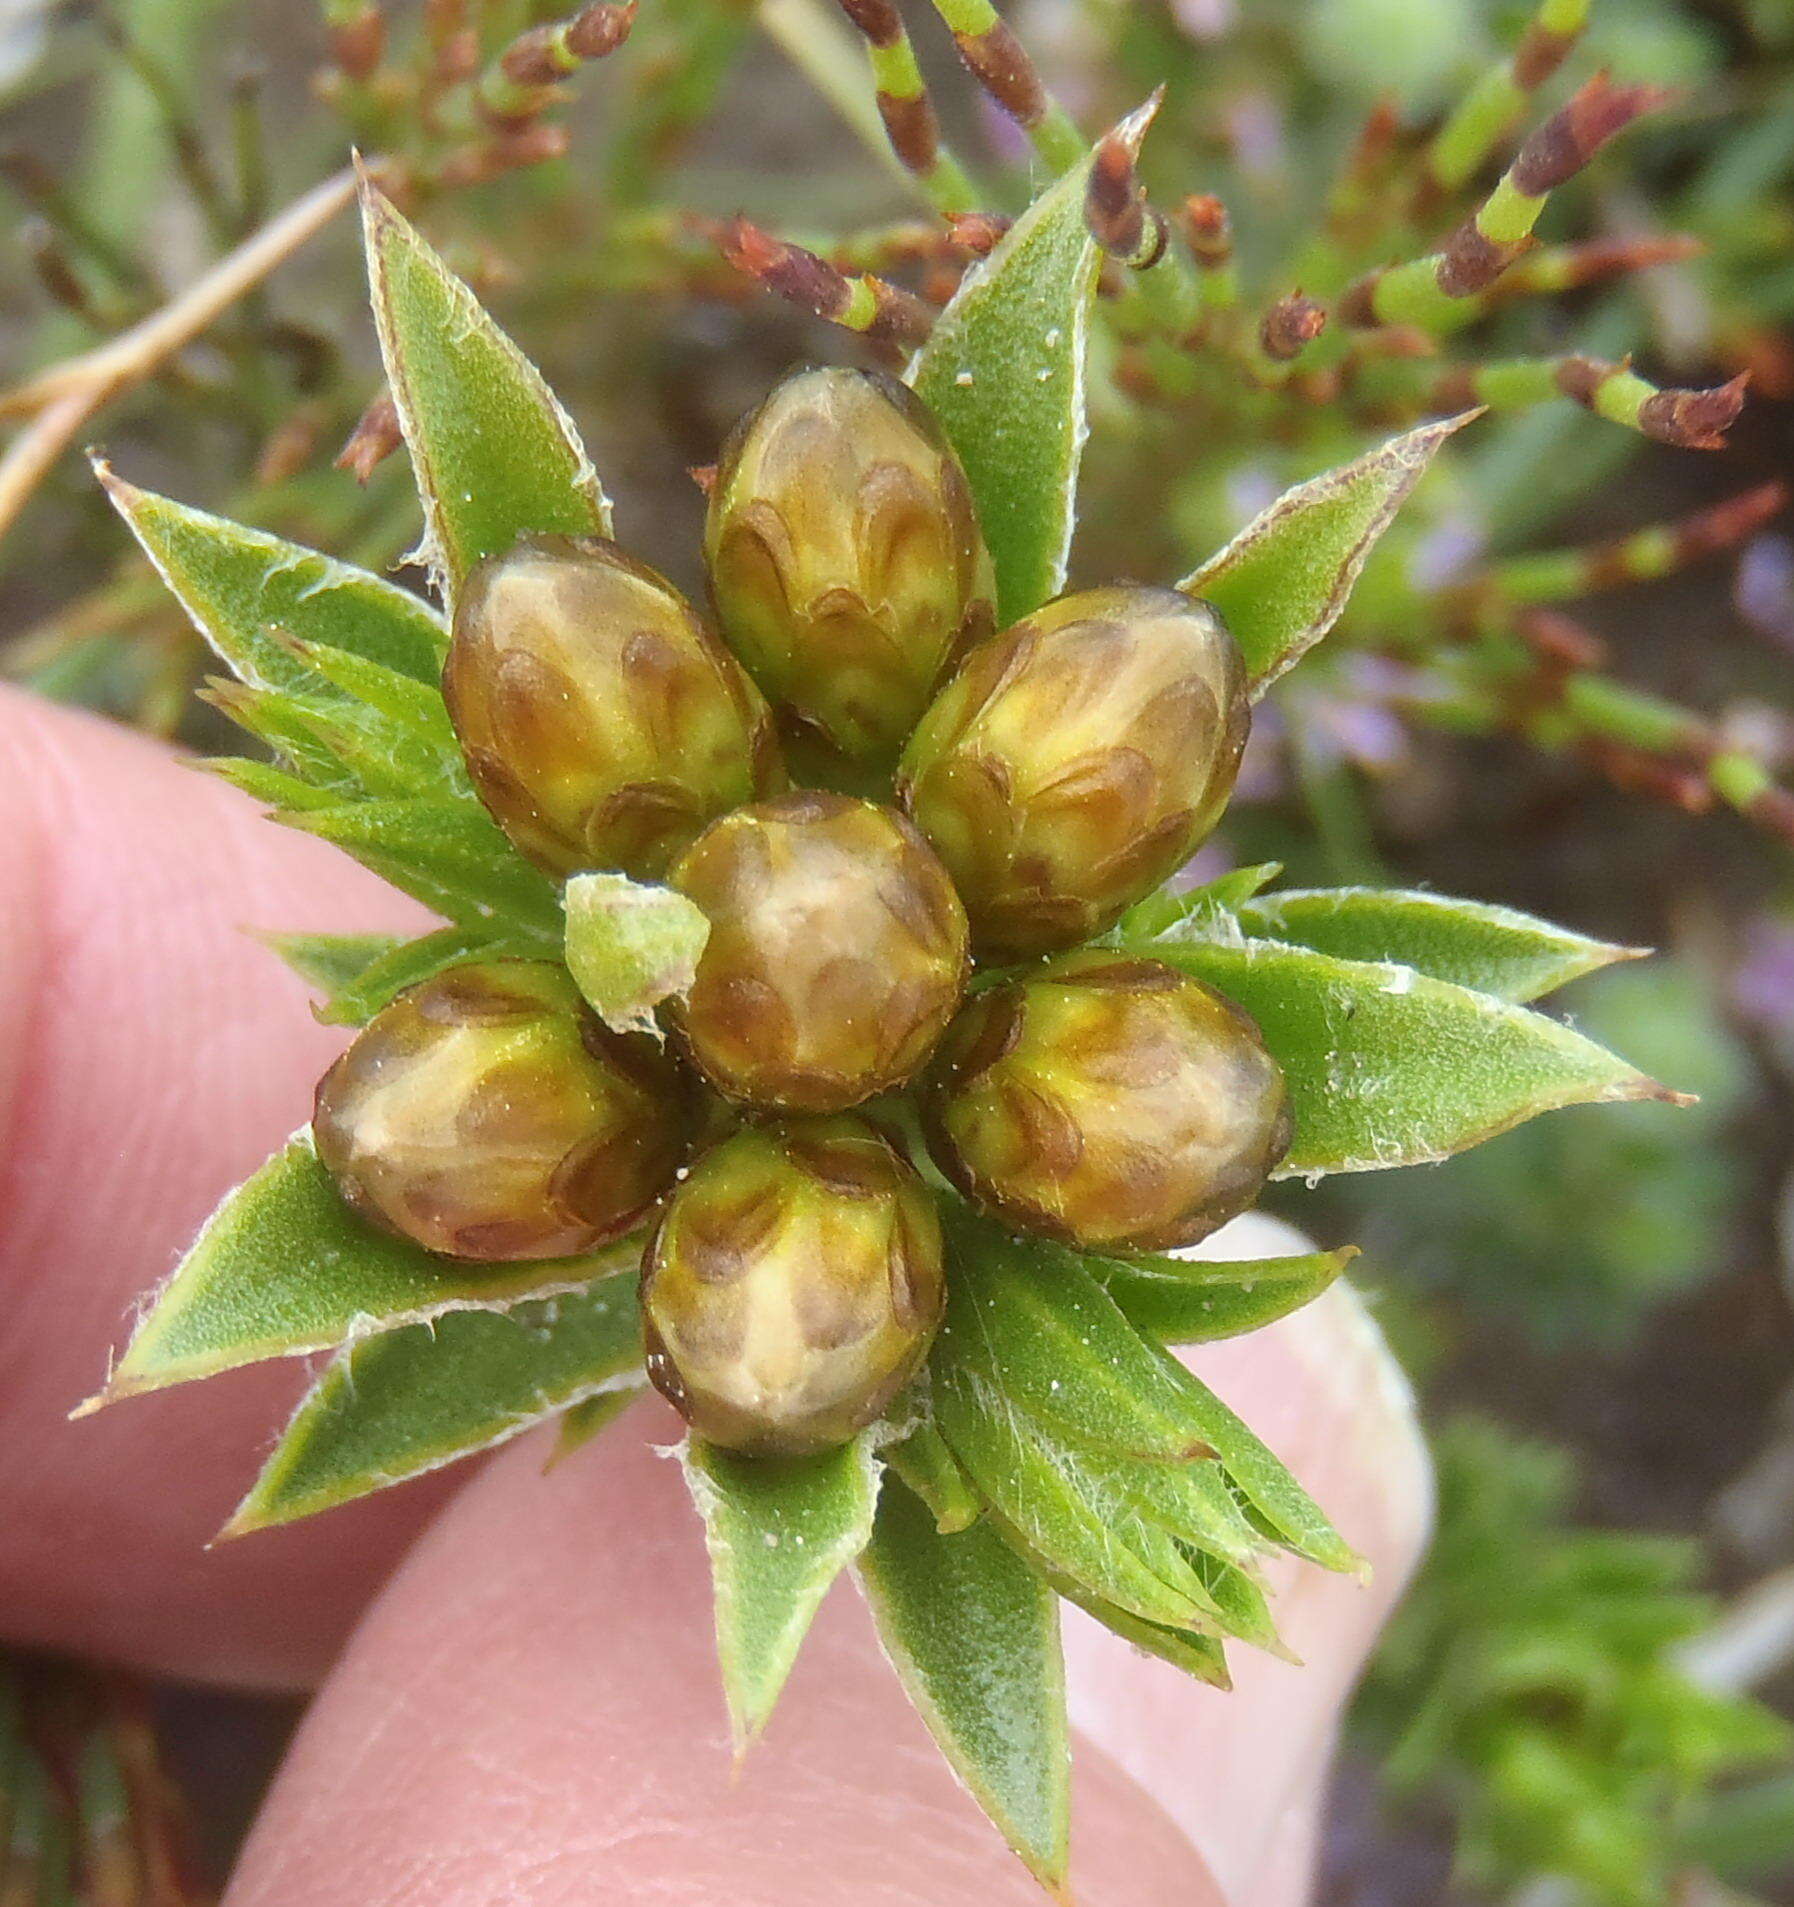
(448, 855)
(283, 1267)
(1193, 1301)
(1282, 583)
(583, 1421)
(1204, 1658)
(239, 586)
(932, 1471)
(1161, 912)
(1260, 1479)
(973, 1633)
(412, 708)
(411, 1400)
(331, 962)
(1106, 1457)
(494, 454)
(1027, 1316)
(630, 946)
(1061, 1507)
(1495, 950)
(1389, 1067)
(273, 787)
(779, 1530)
(334, 744)
(1004, 373)
(409, 962)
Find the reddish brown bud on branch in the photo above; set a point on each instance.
(1290, 326)
(879, 20)
(865, 303)
(1115, 209)
(1540, 53)
(1000, 64)
(1694, 420)
(357, 45)
(912, 128)
(1570, 138)
(375, 437)
(599, 30)
(1203, 225)
(978, 232)
(1560, 641)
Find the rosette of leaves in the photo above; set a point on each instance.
(1054, 1445)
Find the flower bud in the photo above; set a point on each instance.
(487, 1114)
(603, 724)
(845, 558)
(1076, 760)
(1108, 1101)
(793, 1286)
(837, 952)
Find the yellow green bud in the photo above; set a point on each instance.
(603, 724)
(1108, 1101)
(845, 557)
(487, 1114)
(793, 1286)
(837, 952)
(1077, 760)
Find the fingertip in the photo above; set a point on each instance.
(532, 1712)
(151, 1055)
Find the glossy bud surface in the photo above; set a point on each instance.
(1077, 760)
(837, 952)
(1107, 1101)
(845, 557)
(603, 724)
(487, 1114)
(793, 1286)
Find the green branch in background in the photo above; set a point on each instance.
(1530, 1686)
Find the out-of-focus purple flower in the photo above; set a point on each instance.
(1445, 554)
(1209, 863)
(1764, 588)
(1263, 774)
(1202, 20)
(1008, 143)
(1763, 976)
(1257, 133)
(1251, 489)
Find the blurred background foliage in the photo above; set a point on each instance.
(1529, 700)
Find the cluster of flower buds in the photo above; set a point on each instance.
(1036, 783)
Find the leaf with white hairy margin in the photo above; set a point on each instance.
(1003, 372)
(973, 1633)
(779, 1531)
(411, 1400)
(1195, 1301)
(494, 454)
(242, 588)
(284, 1268)
(1388, 1067)
(1283, 582)
(1495, 950)
(630, 946)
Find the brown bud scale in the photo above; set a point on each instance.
(845, 558)
(1108, 1101)
(793, 1286)
(487, 1114)
(604, 725)
(837, 952)
(1076, 760)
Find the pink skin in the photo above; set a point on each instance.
(528, 1710)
